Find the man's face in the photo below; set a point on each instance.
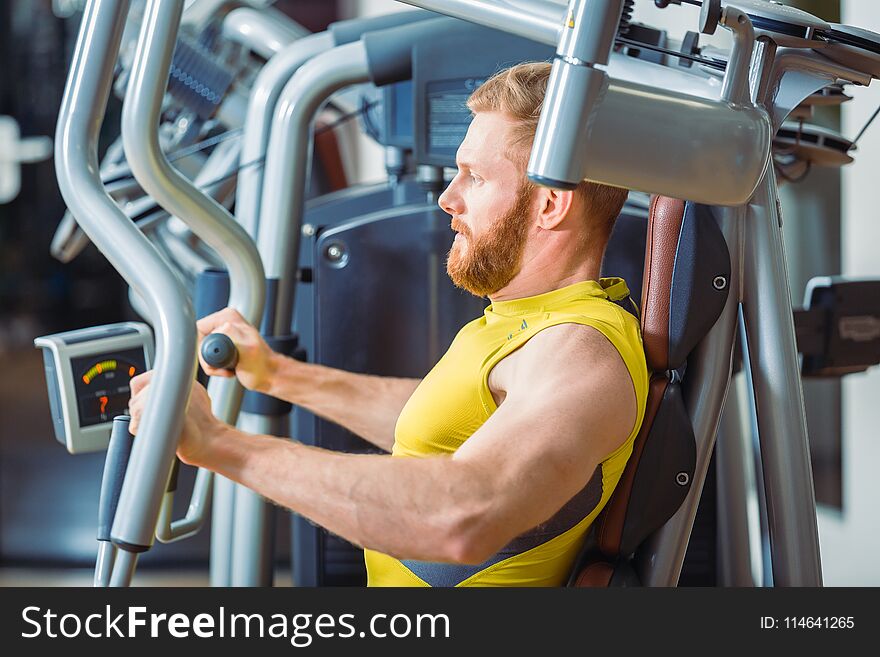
(491, 208)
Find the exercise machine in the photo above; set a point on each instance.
(780, 57)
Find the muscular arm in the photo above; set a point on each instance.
(364, 404)
(569, 402)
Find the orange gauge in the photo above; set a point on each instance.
(107, 388)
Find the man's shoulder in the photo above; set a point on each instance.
(569, 339)
(570, 354)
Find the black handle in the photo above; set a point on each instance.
(115, 466)
(219, 351)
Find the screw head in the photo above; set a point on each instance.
(336, 254)
(682, 478)
(719, 282)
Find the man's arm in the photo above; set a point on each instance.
(365, 405)
(569, 404)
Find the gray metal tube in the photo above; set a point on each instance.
(252, 548)
(222, 519)
(123, 568)
(251, 563)
(661, 557)
(287, 164)
(588, 32)
(207, 218)
(539, 20)
(735, 466)
(736, 78)
(264, 95)
(104, 564)
(797, 73)
(699, 138)
(130, 253)
(779, 401)
(264, 32)
(575, 91)
(239, 549)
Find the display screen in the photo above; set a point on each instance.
(102, 384)
(448, 116)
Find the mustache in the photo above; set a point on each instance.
(460, 227)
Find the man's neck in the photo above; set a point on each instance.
(531, 280)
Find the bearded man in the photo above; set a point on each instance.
(504, 454)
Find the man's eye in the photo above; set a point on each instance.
(476, 179)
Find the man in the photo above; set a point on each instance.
(505, 453)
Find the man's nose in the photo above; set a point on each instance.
(449, 201)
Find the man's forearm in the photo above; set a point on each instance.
(424, 509)
(364, 404)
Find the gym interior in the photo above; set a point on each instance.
(279, 119)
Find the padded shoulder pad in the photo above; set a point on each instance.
(686, 280)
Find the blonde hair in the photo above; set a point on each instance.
(518, 92)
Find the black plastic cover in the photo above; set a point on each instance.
(212, 291)
(671, 455)
(839, 332)
(388, 51)
(697, 297)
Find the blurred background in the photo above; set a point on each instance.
(48, 497)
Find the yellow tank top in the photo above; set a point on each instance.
(454, 400)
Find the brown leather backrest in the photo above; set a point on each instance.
(664, 226)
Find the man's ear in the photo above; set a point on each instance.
(554, 205)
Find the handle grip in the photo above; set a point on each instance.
(219, 351)
(115, 466)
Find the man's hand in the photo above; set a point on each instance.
(199, 423)
(256, 361)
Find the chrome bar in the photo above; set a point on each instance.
(264, 95)
(779, 401)
(287, 164)
(176, 194)
(130, 253)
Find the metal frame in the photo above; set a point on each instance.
(76, 161)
